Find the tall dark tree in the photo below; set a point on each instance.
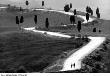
(79, 26)
(87, 9)
(72, 19)
(70, 5)
(43, 3)
(87, 16)
(21, 9)
(94, 29)
(27, 3)
(35, 19)
(75, 12)
(17, 21)
(9, 6)
(98, 15)
(47, 23)
(66, 8)
(21, 19)
(91, 12)
(97, 10)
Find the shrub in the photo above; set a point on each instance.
(89, 10)
(21, 70)
(97, 57)
(105, 47)
(66, 8)
(79, 35)
(94, 29)
(85, 38)
(102, 50)
(88, 61)
(94, 70)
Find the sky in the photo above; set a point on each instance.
(104, 5)
(59, 3)
(33, 3)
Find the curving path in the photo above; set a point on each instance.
(73, 62)
(47, 32)
(70, 13)
(75, 58)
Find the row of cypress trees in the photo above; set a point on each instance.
(46, 21)
(27, 3)
(66, 8)
(90, 11)
(72, 20)
(21, 20)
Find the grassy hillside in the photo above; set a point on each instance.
(7, 19)
(33, 52)
(97, 62)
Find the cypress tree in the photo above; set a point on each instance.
(94, 29)
(42, 3)
(21, 9)
(91, 12)
(75, 12)
(70, 5)
(98, 15)
(17, 20)
(97, 10)
(72, 19)
(27, 3)
(47, 23)
(87, 9)
(21, 19)
(35, 19)
(87, 16)
(66, 8)
(79, 26)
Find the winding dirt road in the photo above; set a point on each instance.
(73, 62)
(70, 13)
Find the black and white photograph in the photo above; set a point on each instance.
(54, 36)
